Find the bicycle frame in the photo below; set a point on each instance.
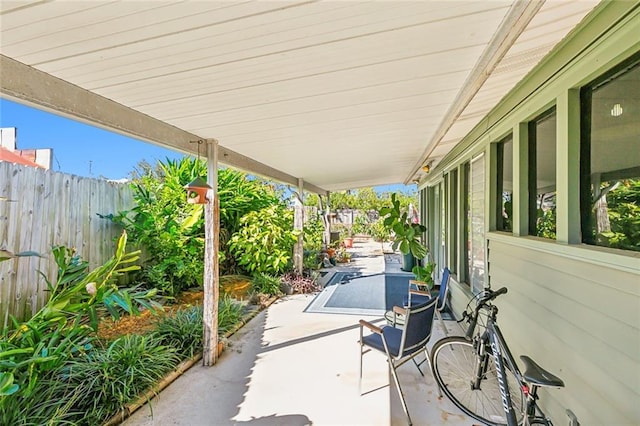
(493, 338)
(486, 346)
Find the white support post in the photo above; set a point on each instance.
(212, 242)
(326, 214)
(298, 225)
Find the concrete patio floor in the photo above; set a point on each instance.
(290, 367)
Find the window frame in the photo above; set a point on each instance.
(586, 110)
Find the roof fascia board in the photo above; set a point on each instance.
(36, 88)
(512, 26)
(602, 19)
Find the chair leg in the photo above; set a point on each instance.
(400, 392)
(433, 376)
(444, 328)
(360, 377)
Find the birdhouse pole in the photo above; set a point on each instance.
(211, 247)
(298, 225)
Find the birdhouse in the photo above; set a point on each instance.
(197, 191)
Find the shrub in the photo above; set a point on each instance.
(265, 241)
(184, 331)
(313, 230)
(116, 375)
(379, 232)
(229, 313)
(266, 284)
(172, 231)
(301, 284)
(361, 225)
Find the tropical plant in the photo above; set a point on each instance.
(265, 240)
(407, 238)
(424, 273)
(407, 234)
(172, 231)
(313, 231)
(63, 329)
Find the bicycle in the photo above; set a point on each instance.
(479, 375)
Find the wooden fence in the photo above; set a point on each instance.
(40, 209)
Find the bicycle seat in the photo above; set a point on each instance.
(538, 375)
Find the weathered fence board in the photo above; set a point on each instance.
(40, 209)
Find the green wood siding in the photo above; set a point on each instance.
(573, 308)
(582, 322)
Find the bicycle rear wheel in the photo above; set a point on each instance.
(454, 361)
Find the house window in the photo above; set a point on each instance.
(542, 175)
(610, 159)
(504, 180)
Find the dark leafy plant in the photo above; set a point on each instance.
(184, 331)
(301, 284)
(51, 403)
(265, 284)
(230, 313)
(113, 376)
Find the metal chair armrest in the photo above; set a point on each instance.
(399, 311)
(373, 328)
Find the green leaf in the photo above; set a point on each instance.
(7, 387)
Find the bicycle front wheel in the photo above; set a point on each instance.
(454, 361)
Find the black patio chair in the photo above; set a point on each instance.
(417, 296)
(401, 345)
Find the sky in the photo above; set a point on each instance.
(78, 148)
(89, 151)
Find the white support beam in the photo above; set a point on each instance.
(211, 248)
(298, 225)
(28, 85)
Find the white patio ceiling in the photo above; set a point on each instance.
(342, 94)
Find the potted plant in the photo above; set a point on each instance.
(408, 240)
